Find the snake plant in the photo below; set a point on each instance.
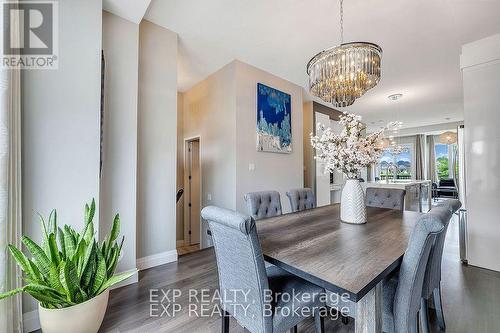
(69, 267)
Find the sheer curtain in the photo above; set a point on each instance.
(10, 192)
(431, 170)
(420, 156)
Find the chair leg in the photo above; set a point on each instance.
(293, 329)
(319, 322)
(424, 315)
(225, 322)
(415, 328)
(439, 308)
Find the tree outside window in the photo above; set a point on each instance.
(443, 168)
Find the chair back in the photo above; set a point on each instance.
(412, 271)
(385, 198)
(433, 272)
(447, 182)
(301, 199)
(263, 204)
(241, 268)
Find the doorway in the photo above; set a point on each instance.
(192, 199)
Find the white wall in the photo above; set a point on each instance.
(120, 42)
(431, 129)
(60, 119)
(180, 167)
(222, 111)
(481, 80)
(209, 112)
(157, 138)
(273, 171)
(309, 162)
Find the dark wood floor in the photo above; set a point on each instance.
(471, 297)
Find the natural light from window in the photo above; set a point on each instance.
(399, 164)
(442, 153)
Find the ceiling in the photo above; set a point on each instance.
(132, 10)
(421, 41)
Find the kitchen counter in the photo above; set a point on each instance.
(418, 192)
(398, 183)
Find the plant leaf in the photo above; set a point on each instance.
(45, 235)
(76, 236)
(21, 260)
(69, 279)
(80, 251)
(54, 279)
(69, 242)
(89, 231)
(54, 251)
(46, 297)
(100, 274)
(43, 289)
(11, 293)
(52, 228)
(92, 210)
(86, 215)
(88, 271)
(60, 235)
(115, 230)
(104, 247)
(89, 211)
(115, 279)
(111, 263)
(43, 262)
(86, 258)
(35, 272)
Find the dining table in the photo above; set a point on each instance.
(347, 259)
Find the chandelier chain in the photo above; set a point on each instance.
(342, 74)
(341, 21)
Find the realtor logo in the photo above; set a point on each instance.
(29, 38)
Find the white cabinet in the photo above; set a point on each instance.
(480, 62)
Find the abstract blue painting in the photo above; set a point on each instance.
(274, 121)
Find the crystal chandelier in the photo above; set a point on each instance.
(448, 138)
(341, 74)
(393, 146)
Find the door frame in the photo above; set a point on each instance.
(187, 237)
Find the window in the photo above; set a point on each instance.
(390, 163)
(443, 155)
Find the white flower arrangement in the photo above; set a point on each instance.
(348, 151)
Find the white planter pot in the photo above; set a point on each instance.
(352, 203)
(85, 317)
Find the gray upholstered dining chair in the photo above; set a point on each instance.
(432, 282)
(240, 264)
(402, 294)
(263, 204)
(301, 199)
(385, 198)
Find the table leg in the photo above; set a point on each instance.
(429, 196)
(369, 312)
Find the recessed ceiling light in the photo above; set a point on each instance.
(395, 97)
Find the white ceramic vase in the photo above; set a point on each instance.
(85, 317)
(352, 203)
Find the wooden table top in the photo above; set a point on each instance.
(337, 256)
